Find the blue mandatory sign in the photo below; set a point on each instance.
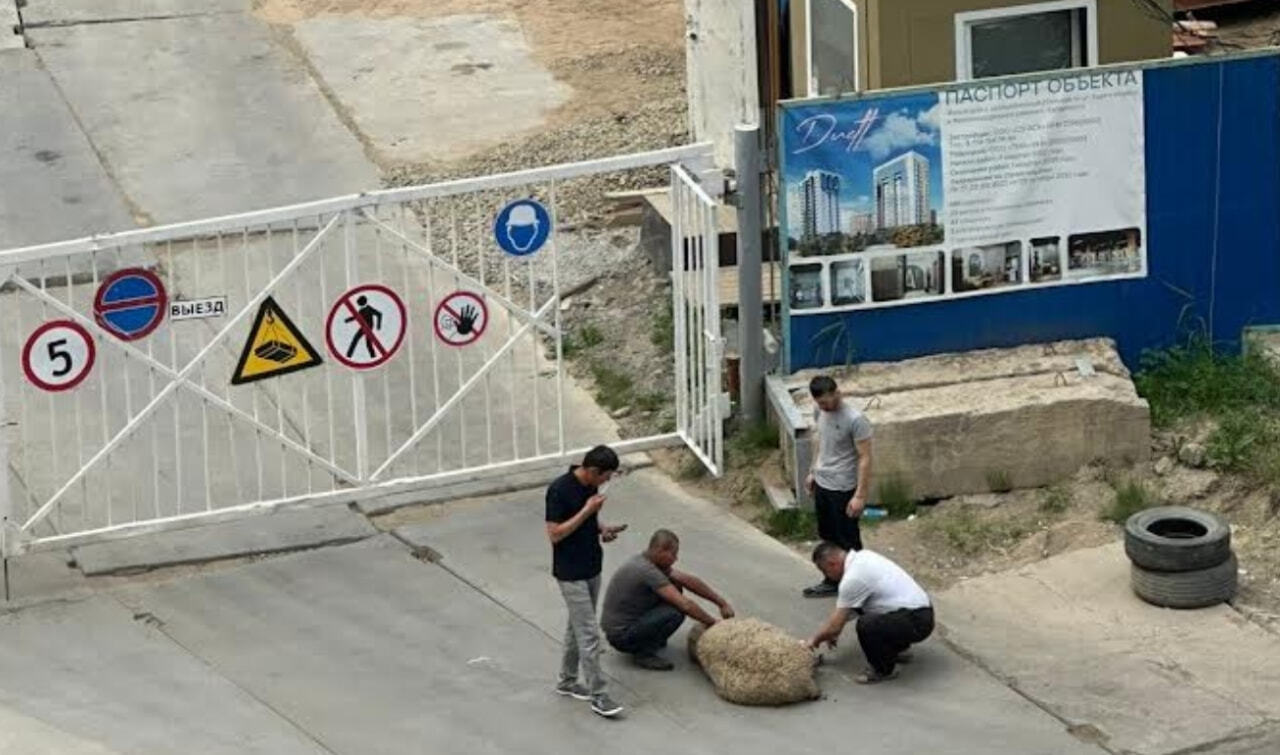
(522, 227)
(130, 303)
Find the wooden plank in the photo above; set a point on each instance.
(728, 286)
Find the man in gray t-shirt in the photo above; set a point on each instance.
(840, 478)
(645, 603)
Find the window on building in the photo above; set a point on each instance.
(832, 27)
(1026, 38)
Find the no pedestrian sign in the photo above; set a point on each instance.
(366, 326)
(461, 318)
(130, 303)
(58, 356)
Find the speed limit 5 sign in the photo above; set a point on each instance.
(58, 356)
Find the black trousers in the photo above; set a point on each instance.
(834, 523)
(650, 632)
(885, 636)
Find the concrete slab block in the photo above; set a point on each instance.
(1264, 740)
(1151, 680)
(941, 704)
(92, 672)
(44, 575)
(268, 533)
(52, 186)
(409, 81)
(10, 38)
(220, 120)
(31, 736)
(950, 424)
(53, 12)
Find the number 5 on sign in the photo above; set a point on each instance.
(58, 356)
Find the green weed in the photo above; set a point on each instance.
(793, 525)
(613, 388)
(895, 496)
(998, 481)
(1056, 499)
(1130, 498)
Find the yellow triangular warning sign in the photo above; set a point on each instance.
(275, 347)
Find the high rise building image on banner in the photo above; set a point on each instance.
(902, 191)
(820, 203)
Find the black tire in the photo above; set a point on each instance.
(1176, 538)
(1186, 589)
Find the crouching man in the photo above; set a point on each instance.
(645, 604)
(894, 611)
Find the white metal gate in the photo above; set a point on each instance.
(701, 406)
(157, 437)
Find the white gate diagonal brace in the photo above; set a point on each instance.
(432, 259)
(168, 372)
(182, 376)
(462, 391)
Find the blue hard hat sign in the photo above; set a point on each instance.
(522, 227)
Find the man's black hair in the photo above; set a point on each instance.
(663, 540)
(601, 458)
(824, 550)
(821, 386)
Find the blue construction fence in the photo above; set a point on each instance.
(1212, 147)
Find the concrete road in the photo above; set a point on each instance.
(1146, 680)
(220, 119)
(52, 184)
(364, 649)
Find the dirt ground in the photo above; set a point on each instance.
(625, 64)
(1245, 25)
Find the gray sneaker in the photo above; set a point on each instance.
(604, 706)
(571, 688)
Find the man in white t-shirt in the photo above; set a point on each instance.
(894, 612)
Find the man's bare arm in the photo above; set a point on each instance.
(687, 607)
(859, 501)
(557, 531)
(703, 590)
(830, 631)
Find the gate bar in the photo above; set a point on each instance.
(693, 153)
(343, 496)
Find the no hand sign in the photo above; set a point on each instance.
(461, 318)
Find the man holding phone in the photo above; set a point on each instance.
(572, 522)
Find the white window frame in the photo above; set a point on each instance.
(965, 22)
(811, 85)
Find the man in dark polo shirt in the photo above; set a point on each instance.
(645, 603)
(573, 504)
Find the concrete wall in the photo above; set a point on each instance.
(720, 58)
(909, 42)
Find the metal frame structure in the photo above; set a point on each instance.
(157, 439)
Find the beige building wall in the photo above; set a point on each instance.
(912, 42)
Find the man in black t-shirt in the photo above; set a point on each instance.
(573, 526)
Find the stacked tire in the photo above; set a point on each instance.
(1180, 557)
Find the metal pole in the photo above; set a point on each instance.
(746, 142)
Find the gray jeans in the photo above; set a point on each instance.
(582, 636)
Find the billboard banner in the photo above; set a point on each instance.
(966, 190)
